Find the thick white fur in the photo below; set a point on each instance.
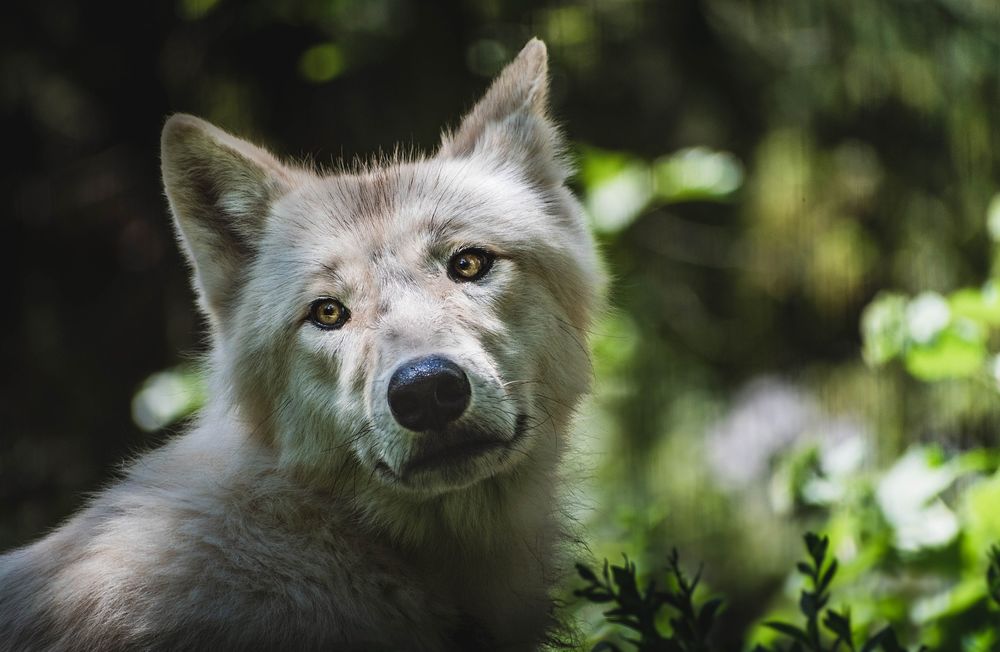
(282, 519)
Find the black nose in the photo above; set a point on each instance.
(428, 393)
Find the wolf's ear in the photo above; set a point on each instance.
(220, 189)
(510, 124)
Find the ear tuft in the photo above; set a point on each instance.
(220, 190)
(510, 124)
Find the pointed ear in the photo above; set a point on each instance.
(220, 190)
(510, 124)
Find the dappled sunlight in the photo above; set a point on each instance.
(166, 397)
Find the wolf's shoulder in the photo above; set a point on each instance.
(232, 554)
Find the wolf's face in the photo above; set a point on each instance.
(417, 323)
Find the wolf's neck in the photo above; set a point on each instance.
(514, 514)
(474, 547)
(479, 544)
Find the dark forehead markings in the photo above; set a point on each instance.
(380, 254)
(341, 200)
(362, 196)
(387, 259)
(331, 272)
(378, 194)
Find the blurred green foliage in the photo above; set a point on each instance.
(689, 622)
(798, 201)
(825, 629)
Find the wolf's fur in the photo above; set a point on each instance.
(283, 519)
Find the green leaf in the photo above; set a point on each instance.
(594, 594)
(883, 328)
(790, 631)
(808, 604)
(828, 574)
(981, 305)
(696, 173)
(707, 615)
(884, 639)
(840, 625)
(817, 547)
(952, 354)
(586, 573)
(993, 574)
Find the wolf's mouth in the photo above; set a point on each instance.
(450, 455)
(457, 449)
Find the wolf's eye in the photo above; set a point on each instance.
(328, 313)
(470, 264)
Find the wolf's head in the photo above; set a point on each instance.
(417, 323)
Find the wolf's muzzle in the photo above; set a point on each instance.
(428, 393)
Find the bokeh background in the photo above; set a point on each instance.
(797, 201)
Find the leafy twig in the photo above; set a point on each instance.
(993, 574)
(637, 610)
(691, 624)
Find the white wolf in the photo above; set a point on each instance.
(396, 354)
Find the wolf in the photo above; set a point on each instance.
(396, 353)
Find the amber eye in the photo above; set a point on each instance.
(328, 313)
(470, 264)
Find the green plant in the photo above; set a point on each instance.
(813, 603)
(993, 575)
(638, 610)
(824, 630)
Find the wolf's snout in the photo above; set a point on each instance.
(428, 392)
